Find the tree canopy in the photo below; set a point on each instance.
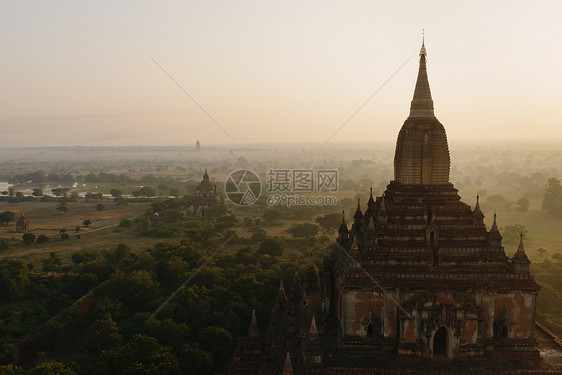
(552, 201)
(304, 230)
(7, 216)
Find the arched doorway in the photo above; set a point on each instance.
(440, 344)
(370, 331)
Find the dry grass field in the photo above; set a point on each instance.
(103, 233)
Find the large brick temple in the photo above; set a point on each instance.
(416, 282)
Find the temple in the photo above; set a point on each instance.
(206, 195)
(23, 225)
(416, 282)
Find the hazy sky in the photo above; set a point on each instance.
(79, 72)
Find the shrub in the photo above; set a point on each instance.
(28, 238)
(271, 246)
(125, 223)
(42, 238)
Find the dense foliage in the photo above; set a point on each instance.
(99, 310)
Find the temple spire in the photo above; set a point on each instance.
(422, 49)
(343, 226)
(520, 261)
(313, 331)
(477, 213)
(494, 224)
(205, 175)
(254, 330)
(521, 248)
(422, 103)
(281, 295)
(288, 366)
(358, 213)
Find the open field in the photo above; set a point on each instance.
(103, 233)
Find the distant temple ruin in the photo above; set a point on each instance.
(417, 281)
(22, 225)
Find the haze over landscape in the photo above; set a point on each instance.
(267, 188)
(80, 73)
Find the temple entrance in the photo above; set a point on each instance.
(370, 332)
(440, 345)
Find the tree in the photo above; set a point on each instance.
(52, 368)
(37, 192)
(100, 206)
(60, 192)
(272, 246)
(7, 216)
(272, 214)
(522, 204)
(147, 191)
(216, 210)
(196, 361)
(42, 238)
(258, 234)
(103, 334)
(11, 370)
(141, 355)
(126, 223)
(174, 192)
(304, 230)
(63, 234)
(87, 223)
(115, 193)
(13, 278)
(552, 201)
(3, 244)
(121, 201)
(330, 222)
(28, 238)
(11, 191)
(62, 207)
(217, 341)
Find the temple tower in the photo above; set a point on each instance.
(422, 153)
